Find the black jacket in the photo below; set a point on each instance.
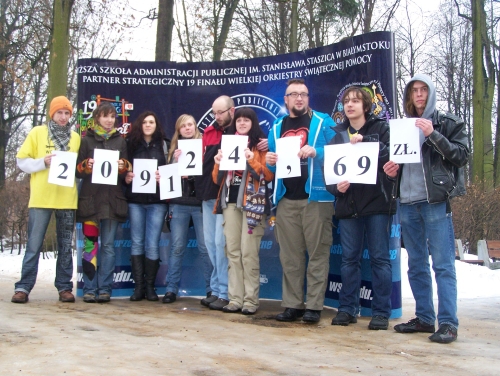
(365, 199)
(444, 154)
(192, 188)
(155, 150)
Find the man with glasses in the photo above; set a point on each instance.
(305, 210)
(223, 112)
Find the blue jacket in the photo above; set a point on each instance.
(320, 133)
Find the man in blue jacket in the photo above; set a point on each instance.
(305, 209)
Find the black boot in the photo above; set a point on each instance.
(151, 269)
(137, 263)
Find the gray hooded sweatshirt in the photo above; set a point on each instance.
(412, 188)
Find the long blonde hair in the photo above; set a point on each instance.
(177, 135)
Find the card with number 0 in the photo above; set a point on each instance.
(105, 168)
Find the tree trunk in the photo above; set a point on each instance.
(220, 39)
(294, 42)
(59, 49)
(164, 30)
(482, 98)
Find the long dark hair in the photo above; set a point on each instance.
(136, 135)
(255, 133)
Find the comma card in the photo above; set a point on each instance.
(404, 141)
(288, 164)
(190, 161)
(62, 168)
(233, 153)
(170, 182)
(105, 168)
(144, 176)
(356, 163)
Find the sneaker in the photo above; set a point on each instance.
(104, 297)
(378, 323)
(414, 326)
(344, 319)
(231, 308)
(89, 298)
(250, 310)
(290, 314)
(219, 304)
(19, 297)
(311, 316)
(169, 297)
(66, 297)
(445, 334)
(208, 300)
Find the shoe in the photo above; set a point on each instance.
(250, 310)
(89, 298)
(378, 323)
(19, 297)
(344, 319)
(219, 304)
(290, 314)
(415, 326)
(445, 334)
(209, 294)
(150, 270)
(231, 308)
(208, 300)
(66, 297)
(169, 297)
(103, 297)
(311, 316)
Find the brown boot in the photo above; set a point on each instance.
(19, 297)
(66, 297)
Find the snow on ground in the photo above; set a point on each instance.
(473, 281)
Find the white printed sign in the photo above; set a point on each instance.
(288, 164)
(170, 182)
(404, 141)
(105, 168)
(233, 153)
(62, 168)
(356, 163)
(190, 161)
(144, 176)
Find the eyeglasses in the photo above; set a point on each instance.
(296, 95)
(220, 112)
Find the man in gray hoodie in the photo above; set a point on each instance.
(424, 190)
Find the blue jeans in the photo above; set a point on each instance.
(37, 227)
(419, 223)
(103, 280)
(179, 226)
(352, 236)
(146, 222)
(215, 242)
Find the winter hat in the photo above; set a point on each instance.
(60, 103)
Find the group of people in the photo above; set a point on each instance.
(229, 208)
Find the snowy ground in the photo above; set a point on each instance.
(473, 281)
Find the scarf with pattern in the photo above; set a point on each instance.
(100, 131)
(60, 135)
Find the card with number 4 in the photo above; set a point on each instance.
(233, 153)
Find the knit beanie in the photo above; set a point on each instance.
(60, 103)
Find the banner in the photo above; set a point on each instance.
(171, 89)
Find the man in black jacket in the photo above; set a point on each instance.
(425, 189)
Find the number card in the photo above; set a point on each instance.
(190, 161)
(62, 168)
(288, 164)
(105, 169)
(405, 141)
(170, 182)
(356, 163)
(233, 152)
(144, 176)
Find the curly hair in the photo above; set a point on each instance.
(136, 135)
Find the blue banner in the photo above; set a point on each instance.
(171, 89)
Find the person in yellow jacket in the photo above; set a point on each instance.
(34, 157)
